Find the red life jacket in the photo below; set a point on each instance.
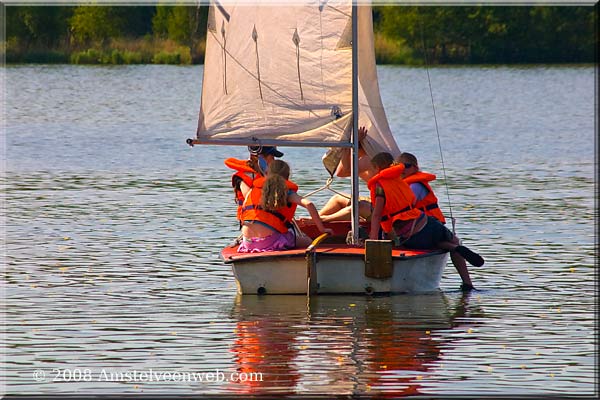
(247, 174)
(429, 203)
(280, 219)
(399, 198)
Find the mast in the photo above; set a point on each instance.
(354, 141)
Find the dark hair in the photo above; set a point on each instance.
(382, 160)
(407, 158)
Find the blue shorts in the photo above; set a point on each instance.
(432, 233)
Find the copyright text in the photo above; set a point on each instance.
(144, 375)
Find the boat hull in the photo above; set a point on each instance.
(334, 269)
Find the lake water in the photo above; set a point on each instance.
(114, 227)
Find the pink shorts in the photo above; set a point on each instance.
(276, 241)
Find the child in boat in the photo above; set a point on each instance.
(365, 169)
(419, 184)
(249, 170)
(268, 211)
(338, 207)
(394, 212)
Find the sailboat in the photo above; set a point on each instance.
(305, 75)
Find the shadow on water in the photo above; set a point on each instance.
(343, 344)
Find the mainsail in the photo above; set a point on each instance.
(370, 107)
(283, 75)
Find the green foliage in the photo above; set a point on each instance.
(96, 23)
(38, 26)
(181, 24)
(132, 57)
(39, 56)
(89, 56)
(181, 55)
(101, 23)
(439, 34)
(392, 51)
(114, 57)
(160, 21)
(404, 34)
(479, 34)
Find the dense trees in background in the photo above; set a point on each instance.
(89, 25)
(56, 25)
(185, 25)
(105, 34)
(38, 26)
(404, 34)
(493, 34)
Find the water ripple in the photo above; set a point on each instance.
(112, 243)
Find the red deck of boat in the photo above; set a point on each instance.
(340, 229)
(230, 253)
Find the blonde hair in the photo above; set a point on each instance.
(275, 189)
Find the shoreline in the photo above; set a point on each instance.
(149, 51)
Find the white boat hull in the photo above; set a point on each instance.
(337, 273)
(410, 275)
(276, 276)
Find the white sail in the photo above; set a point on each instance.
(283, 74)
(371, 111)
(277, 72)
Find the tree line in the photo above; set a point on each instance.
(403, 34)
(494, 34)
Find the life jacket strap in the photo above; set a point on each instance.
(432, 206)
(277, 214)
(386, 217)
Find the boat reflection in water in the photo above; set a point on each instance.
(342, 344)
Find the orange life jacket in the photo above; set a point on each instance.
(247, 174)
(399, 198)
(280, 219)
(429, 203)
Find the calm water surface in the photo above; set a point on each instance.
(114, 227)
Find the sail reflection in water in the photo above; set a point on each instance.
(342, 344)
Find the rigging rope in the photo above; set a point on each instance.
(437, 129)
(327, 186)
